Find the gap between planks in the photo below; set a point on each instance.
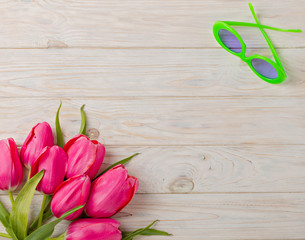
(145, 48)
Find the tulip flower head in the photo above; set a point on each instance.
(84, 156)
(54, 161)
(111, 192)
(70, 194)
(94, 229)
(11, 173)
(83, 196)
(40, 136)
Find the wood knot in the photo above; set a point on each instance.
(56, 44)
(182, 185)
(93, 133)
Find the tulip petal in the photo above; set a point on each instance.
(17, 170)
(81, 155)
(128, 191)
(34, 168)
(100, 154)
(11, 172)
(40, 136)
(94, 229)
(71, 193)
(111, 192)
(6, 166)
(71, 141)
(27, 140)
(54, 161)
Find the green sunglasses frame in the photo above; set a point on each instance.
(226, 25)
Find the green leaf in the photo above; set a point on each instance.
(21, 206)
(5, 220)
(144, 231)
(46, 215)
(124, 161)
(152, 231)
(45, 231)
(83, 123)
(5, 235)
(4, 216)
(148, 231)
(11, 233)
(60, 139)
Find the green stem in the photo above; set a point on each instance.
(29, 175)
(11, 197)
(5, 235)
(47, 214)
(42, 210)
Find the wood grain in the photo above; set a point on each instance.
(166, 121)
(211, 216)
(222, 152)
(214, 169)
(222, 169)
(131, 23)
(80, 73)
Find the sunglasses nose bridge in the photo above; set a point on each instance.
(246, 59)
(243, 56)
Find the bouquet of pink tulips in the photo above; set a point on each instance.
(67, 175)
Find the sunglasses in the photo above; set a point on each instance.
(268, 70)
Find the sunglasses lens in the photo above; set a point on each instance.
(264, 68)
(230, 40)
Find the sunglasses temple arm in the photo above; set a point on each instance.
(244, 24)
(276, 57)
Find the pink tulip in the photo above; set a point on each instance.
(84, 156)
(11, 173)
(111, 192)
(54, 161)
(40, 136)
(94, 229)
(70, 194)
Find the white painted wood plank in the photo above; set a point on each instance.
(99, 72)
(166, 121)
(212, 216)
(133, 23)
(209, 169)
(214, 169)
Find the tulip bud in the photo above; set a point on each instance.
(40, 136)
(11, 173)
(70, 194)
(111, 192)
(84, 156)
(54, 161)
(94, 229)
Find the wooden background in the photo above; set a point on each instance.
(223, 152)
